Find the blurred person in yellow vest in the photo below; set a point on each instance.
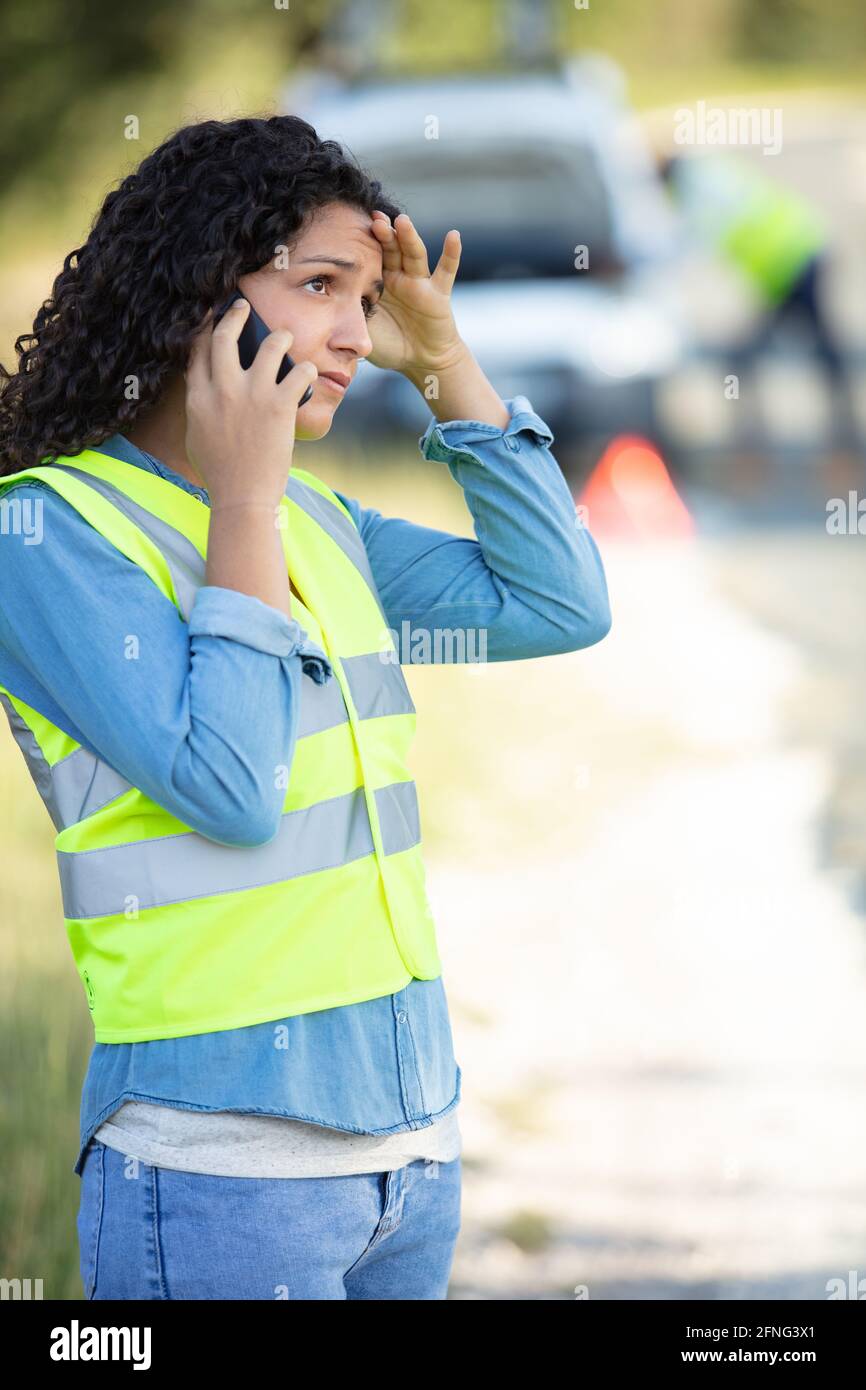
(779, 243)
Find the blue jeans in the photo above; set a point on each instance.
(147, 1232)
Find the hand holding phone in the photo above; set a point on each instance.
(240, 423)
(253, 334)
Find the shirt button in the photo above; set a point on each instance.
(512, 443)
(401, 1017)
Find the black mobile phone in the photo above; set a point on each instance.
(253, 334)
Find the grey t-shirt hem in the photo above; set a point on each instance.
(229, 1143)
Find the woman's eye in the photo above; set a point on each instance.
(369, 306)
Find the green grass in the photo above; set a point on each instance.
(45, 1037)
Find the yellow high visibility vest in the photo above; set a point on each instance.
(173, 933)
(773, 238)
(768, 231)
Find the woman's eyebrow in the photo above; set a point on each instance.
(344, 265)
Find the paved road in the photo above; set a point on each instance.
(657, 983)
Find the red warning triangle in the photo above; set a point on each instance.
(630, 493)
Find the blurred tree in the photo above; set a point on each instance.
(55, 52)
(785, 30)
(72, 69)
(61, 55)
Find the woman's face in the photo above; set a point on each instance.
(324, 304)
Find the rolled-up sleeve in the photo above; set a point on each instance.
(533, 578)
(219, 612)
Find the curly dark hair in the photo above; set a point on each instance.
(213, 202)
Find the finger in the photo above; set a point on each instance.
(412, 247)
(445, 274)
(293, 386)
(225, 360)
(197, 371)
(270, 354)
(392, 256)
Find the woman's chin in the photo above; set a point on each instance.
(313, 424)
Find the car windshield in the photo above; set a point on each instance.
(521, 211)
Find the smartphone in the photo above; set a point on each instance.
(253, 334)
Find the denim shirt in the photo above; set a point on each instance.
(533, 579)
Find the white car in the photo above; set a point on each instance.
(564, 288)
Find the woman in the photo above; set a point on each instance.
(198, 662)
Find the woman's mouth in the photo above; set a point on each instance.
(337, 381)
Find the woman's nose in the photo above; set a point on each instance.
(354, 334)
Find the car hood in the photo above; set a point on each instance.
(553, 324)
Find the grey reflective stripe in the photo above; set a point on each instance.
(37, 764)
(74, 787)
(378, 687)
(84, 784)
(397, 808)
(186, 566)
(179, 868)
(322, 707)
(339, 527)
